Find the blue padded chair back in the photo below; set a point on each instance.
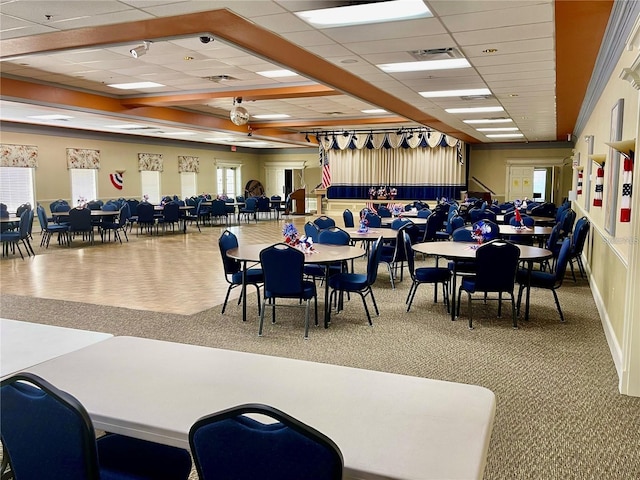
(125, 211)
(528, 221)
(145, 212)
(263, 204)
(554, 236)
(424, 213)
(226, 242)
(251, 204)
(384, 212)
(46, 433)
(110, 207)
(373, 261)
(462, 234)
(580, 235)
(563, 259)
(279, 281)
(240, 199)
(311, 231)
(334, 236)
(42, 218)
(347, 217)
(374, 220)
(434, 223)
(80, 219)
(218, 208)
(171, 212)
(133, 205)
(567, 220)
(398, 223)
(62, 207)
(230, 444)
(496, 266)
(408, 252)
(324, 222)
(456, 223)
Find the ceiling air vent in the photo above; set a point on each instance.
(476, 97)
(436, 54)
(220, 78)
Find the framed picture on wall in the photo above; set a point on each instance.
(612, 169)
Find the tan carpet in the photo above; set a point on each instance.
(559, 414)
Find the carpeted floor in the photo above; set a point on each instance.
(559, 414)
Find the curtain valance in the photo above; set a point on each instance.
(150, 162)
(18, 155)
(387, 140)
(188, 164)
(83, 158)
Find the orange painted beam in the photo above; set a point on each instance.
(247, 95)
(580, 27)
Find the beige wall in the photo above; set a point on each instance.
(608, 256)
(490, 166)
(53, 181)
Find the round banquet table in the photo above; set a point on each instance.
(456, 251)
(415, 220)
(372, 235)
(324, 254)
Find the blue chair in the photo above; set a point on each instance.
(219, 211)
(374, 220)
(14, 238)
(546, 280)
(394, 255)
(47, 434)
(384, 212)
(357, 282)
(311, 231)
(233, 269)
(578, 239)
(250, 209)
(566, 222)
(286, 282)
(323, 222)
(146, 217)
(434, 275)
(263, 206)
(116, 227)
(47, 229)
(80, 222)
(496, 267)
(347, 217)
(232, 445)
(398, 223)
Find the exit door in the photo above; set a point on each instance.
(520, 183)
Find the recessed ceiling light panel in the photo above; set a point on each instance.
(51, 117)
(424, 66)
(456, 93)
(474, 110)
(277, 73)
(271, 116)
(488, 120)
(505, 135)
(135, 85)
(373, 12)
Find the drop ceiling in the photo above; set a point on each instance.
(60, 58)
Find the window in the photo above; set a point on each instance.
(226, 177)
(16, 187)
(188, 184)
(83, 185)
(151, 186)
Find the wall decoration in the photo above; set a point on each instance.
(150, 162)
(615, 134)
(627, 178)
(597, 197)
(18, 155)
(117, 179)
(83, 158)
(579, 189)
(188, 164)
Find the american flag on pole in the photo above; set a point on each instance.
(326, 168)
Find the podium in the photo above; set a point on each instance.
(299, 196)
(320, 192)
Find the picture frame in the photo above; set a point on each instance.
(612, 169)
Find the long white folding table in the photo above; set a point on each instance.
(23, 344)
(386, 425)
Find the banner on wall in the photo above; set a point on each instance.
(117, 180)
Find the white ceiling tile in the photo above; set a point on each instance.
(508, 16)
(491, 36)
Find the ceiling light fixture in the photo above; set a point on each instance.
(374, 111)
(498, 129)
(489, 120)
(424, 65)
(135, 85)
(271, 116)
(373, 12)
(456, 93)
(277, 73)
(504, 135)
(474, 110)
(140, 50)
(239, 115)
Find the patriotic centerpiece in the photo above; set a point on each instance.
(519, 220)
(480, 232)
(396, 209)
(290, 233)
(363, 227)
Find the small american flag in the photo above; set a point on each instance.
(326, 168)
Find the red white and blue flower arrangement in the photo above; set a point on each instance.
(292, 238)
(363, 227)
(481, 232)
